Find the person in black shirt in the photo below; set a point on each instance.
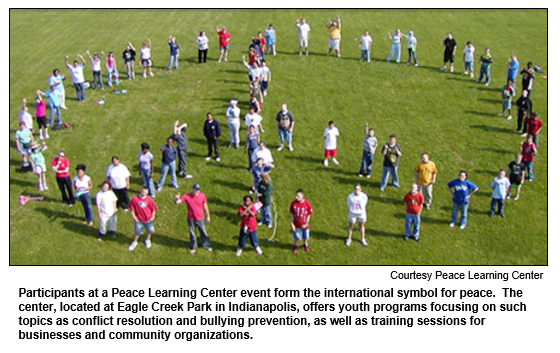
(516, 174)
(391, 152)
(524, 109)
(449, 53)
(212, 132)
(528, 78)
(129, 55)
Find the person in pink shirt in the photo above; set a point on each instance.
(196, 208)
(112, 72)
(61, 166)
(41, 115)
(223, 42)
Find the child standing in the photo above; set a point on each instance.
(248, 214)
(516, 174)
(252, 143)
(529, 151)
(112, 72)
(468, 58)
(38, 164)
(330, 134)
(41, 115)
(146, 58)
(414, 201)
(96, 68)
(370, 145)
(501, 186)
(508, 92)
(301, 212)
(487, 61)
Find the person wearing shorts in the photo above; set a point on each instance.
(39, 166)
(516, 175)
(301, 212)
(143, 211)
(146, 58)
(334, 36)
(357, 202)
(330, 134)
(224, 38)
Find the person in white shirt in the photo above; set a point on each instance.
(357, 202)
(95, 61)
(255, 72)
(119, 178)
(24, 116)
(253, 119)
(82, 184)
(303, 31)
(330, 134)
(77, 71)
(146, 58)
(396, 39)
(106, 202)
(264, 153)
(202, 42)
(232, 114)
(412, 46)
(146, 160)
(468, 58)
(365, 44)
(266, 77)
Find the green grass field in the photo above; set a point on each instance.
(447, 115)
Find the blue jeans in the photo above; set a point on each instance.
(285, 135)
(85, 199)
(52, 108)
(412, 54)
(529, 166)
(139, 228)
(366, 55)
(148, 182)
(395, 51)
(385, 177)
(469, 66)
(97, 80)
(204, 238)
(250, 155)
(464, 212)
(412, 226)
(80, 91)
(167, 168)
(112, 74)
(484, 71)
(500, 203)
(266, 215)
(243, 238)
(171, 59)
(367, 163)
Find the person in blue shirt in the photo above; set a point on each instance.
(500, 186)
(57, 80)
(257, 170)
(54, 104)
(461, 189)
(168, 157)
(513, 68)
(270, 36)
(252, 143)
(173, 53)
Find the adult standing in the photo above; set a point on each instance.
(365, 44)
(24, 139)
(264, 153)
(528, 78)
(357, 202)
(468, 59)
(197, 207)
(54, 104)
(270, 38)
(529, 151)
(303, 34)
(248, 214)
(391, 152)
(301, 211)
(106, 202)
(513, 69)
(143, 212)
(146, 58)
(258, 170)
(425, 173)
(202, 42)
(534, 127)
(251, 144)
(146, 161)
(168, 156)
(500, 189)
(461, 189)
(412, 47)
(77, 72)
(449, 52)
(524, 110)
(413, 201)
(335, 28)
(369, 145)
(487, 61)
(41, 115)
(285, 126)
(61, 166)
(129, 56)
(180, 136)
(264, 191)
(173, 53)
(266, 78)
(119, 178)
(82, 184)
(57, 80)
(223, 41)
(95, 61)
(232, 114)
(212, 132)
(396, 38)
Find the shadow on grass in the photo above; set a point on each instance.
(425, 219)
(233, 185)
(217, 201)
(306, 159)
(231, 216)
(387, 200)
(485, 88)
(234, 71)
(326, 236)
(483, 171)
(493, 101)
(492, 128)
(234, 82)
(54, 215)
(473, 112)
(496, 150)
(21, 182)
(380, 233)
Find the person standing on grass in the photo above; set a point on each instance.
(516, 174)
(413, 201)
(330, 135)
(264, 153)
(24, 116)
(129, 56)
(196, 209)
(24, 139)
(461, 189)
(202, 42)
(146, 58)
(487, 61)
(41, 115)
(391, 152)
(173, 52)
(301, 211)
(513, 69)
(534, 127)
(95, 61)
(285, 126)
(257, 170)
(468, 58)
(396, 39)
(412, 47)
(264, 192)
(508, 92)
(232, 114)
(253, 119)
(500, 186)
(425, 173)
(112, 71)
(224, 38)
(82, 184)
(61, 166)
(529, 151)
(57, 80)
(370, 145)
(54, 104)
(266, 78)
(524, 110)
(212, 132)
(143, 211)
(180, 136)
(528, 78)
(270, 37)
(38, 165)
(168, 156)
(248, 214)
(357, 202)
(77, 71)
(146, 161)
(303, 34)
(449, 52)
(252, 141)
(334, 27)
(106, 202)
(118, 177)
(365, 44)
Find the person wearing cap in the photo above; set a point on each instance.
(196, 209)
(82, 184)
(412, 46)
(119, 178)
(396, 39)
(38, 164)
(146, 160)
(143, 211)
(224, 38)
(180, 136)
(212, 132)
(61, 166)
(232, 114)
(334, 27)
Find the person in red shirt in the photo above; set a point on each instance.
(61, 166)
(301, 211)
(196, 208)
(414, 201)
(223, 42)
(143, 211)
(528, 151)
(248, 213)
(534, 127)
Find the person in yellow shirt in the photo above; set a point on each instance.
(334, 36)
(425, 173)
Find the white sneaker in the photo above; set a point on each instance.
(465, 73)
(208, 158)
(280, 148)
(363, 242)
(360, 175)
(151, 74)
(158, 189)
(472, 75)
(45, 187)
(509, 117)
(326, 162)
(40, 136)
(335, 161)
(451, 225)
(265, 94)
(258, 250)
(188, 176)
(368, 176)
(290, 148)
(46, 136)
(40, 187)
(524, 135)
(502, 114)
(487, 84)
(144, 75)
(451, 69)
(442, 68)
(148, 243)
(463, 226)
(132, 246)
(218, 159)
(348, 242)
(238, 252)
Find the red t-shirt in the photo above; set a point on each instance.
(143, 208)
(528, 152)
(301, 212)
(64, 163)
(413, 203)
(195, 206)
(263, 42)
(252, 59)
(533, 125)
(224, 38)
(247, 220)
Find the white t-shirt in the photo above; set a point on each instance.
(81, 185)
(202, 42)
(145, 53)
(77, 73)
(117, 175)
(396, 39)
(304, 30)
(330, 136)
(105, 201)
(26, 118)
(366, 41)
(253, 119)
(145, 160)
(469, 53)
(265, 73)
(264, 154)
(357, 204)
(233, 112)
(411, 42)
(96, 65)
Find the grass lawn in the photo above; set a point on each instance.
(447, 115)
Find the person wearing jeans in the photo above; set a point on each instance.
(529, 151)
(285, 126)
(248, 228)
(413, 202)
(500, 189)
(54, 104)
(391, 152)
(129, 55)
(264, 190)
(396, 39)
(82, 184)
(487, 61)
(95, 61)
(370, 145)
(365, 44)
(412, 45)
(196, 209)
(146, 160)
(77, 71)
(461, 189)
(168, 157)
(173, 53)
